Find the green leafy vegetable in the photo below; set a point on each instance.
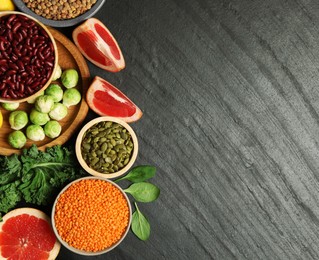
(143, 191)
(140, 225)
(140, 173)
(35, 175)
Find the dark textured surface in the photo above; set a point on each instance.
(229, 91)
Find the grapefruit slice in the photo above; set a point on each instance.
(98, 45)
(106, 100)
(26, 233)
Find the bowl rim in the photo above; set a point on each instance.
(81, 252)
(61, 23)
(4, 100)
(84, 164)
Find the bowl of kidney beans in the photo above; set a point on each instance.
(28, 57)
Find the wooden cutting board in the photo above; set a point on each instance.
(69, 57)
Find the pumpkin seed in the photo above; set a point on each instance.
(107, 147)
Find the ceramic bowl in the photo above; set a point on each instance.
(93, 172)
(60, 23)
(24, 68)
(82, 252)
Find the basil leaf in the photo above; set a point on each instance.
(140, 225)
(139, 174)
(143, 191)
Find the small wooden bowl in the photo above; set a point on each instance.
(79, 153)
(86, 253)
(7, 100)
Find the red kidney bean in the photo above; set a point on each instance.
(11, 72)
(26, 56)
(11, 18)
(24, 32)
(16, 27)
(25, 59)
(4, 93)
(40, 55)
(37, 62)
(21, 87)
(12, 94)
(6, 55)
(3, 45)
(20, 65)
(9, 35)
(13, 66)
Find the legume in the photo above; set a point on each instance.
(91, 215)
(26, 56)
(107, 147)
(59, 9)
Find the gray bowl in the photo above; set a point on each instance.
(60, 23)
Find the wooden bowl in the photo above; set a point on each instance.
(8, 100)
(82, 252)
(96, 173)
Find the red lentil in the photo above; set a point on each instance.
(91, 215)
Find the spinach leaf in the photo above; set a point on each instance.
(143, 191)
(140, 225)
(139, 174)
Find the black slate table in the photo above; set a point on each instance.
(230, 95)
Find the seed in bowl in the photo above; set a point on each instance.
(58, 9)
(26, 56)
(91, 215)
(107, 147)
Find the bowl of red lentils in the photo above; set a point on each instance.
(106, 147)
(91, 216)
(60, 13)
(28, 57)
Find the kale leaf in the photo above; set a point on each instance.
(36, 176)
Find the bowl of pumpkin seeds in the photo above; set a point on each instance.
(106, 147)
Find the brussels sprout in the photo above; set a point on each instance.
(17, 139)
(35, 132)
(70, 78)
(55, 91)
(32, 100)
(57, 73)
(18, 119)
(52, 129)
(71, 97)
(58, 112)
(39, 118)
(44, 103)
(10, 106)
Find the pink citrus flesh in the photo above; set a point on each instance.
(26, 233)
(98, 45)
(107, 100)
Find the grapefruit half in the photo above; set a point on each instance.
(98, 45)
(26, 233)
(106, 100)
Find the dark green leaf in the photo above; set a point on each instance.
(9, 196)
(140, 225)
(143, 191)
(140, 173)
